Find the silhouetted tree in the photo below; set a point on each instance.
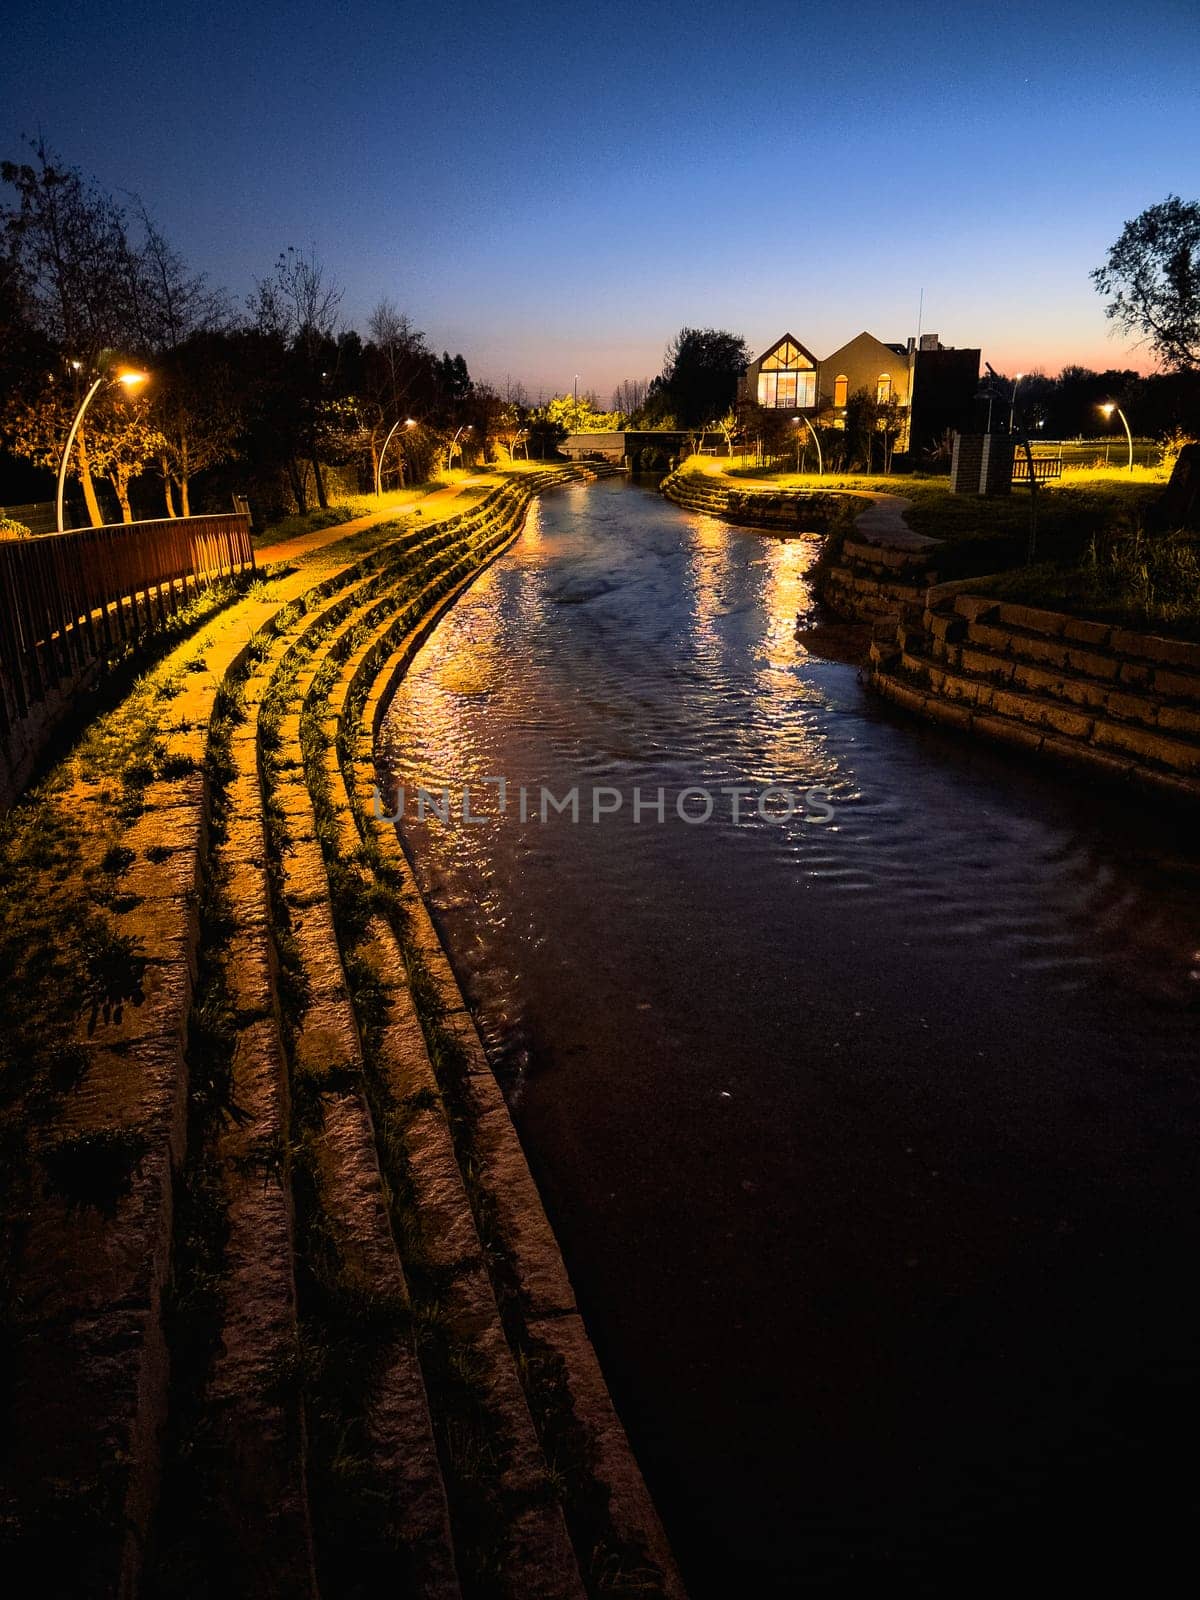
(67, 249)
(699, 380)
(1152, 280)
(630, 395)
(297, 309)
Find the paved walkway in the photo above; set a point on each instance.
(301, 544)
(883, 522)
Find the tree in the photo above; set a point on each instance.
(862, 426)
(699, 380)
(297, 309)
(577, 416)
(26, 354)
(452, 386)
(120, 442)
(515, 393)
(630, 395)
(73, 269)
(396, 381)
(1152, 280)
(96, 290)
(197, 405)
(195, 392)
(66, 239)
(889, 424)
(168, 304)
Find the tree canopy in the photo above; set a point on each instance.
(1152, 280)
(699, 380)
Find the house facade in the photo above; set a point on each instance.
(934, 386)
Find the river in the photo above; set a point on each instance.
(870, 1139)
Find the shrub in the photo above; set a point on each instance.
(1169, 447)
(11, 529)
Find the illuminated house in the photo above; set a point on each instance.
(788, 377)
(934, 384)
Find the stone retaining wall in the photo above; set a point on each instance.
(873, 582)
(779, 510)
(1123, 704)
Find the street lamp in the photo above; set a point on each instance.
(1108, 408)
(408, 422)
(454, 445)
(129, 381)
(1012, 410)
(796, 421)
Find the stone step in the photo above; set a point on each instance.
(548, 1316)
(82, 1442)
(540, 1561)
(1019, 735)
(351, 1257)
(257, 1533)
(1109, 697)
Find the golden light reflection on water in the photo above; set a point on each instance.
(785, 595)
(780, 740)
(711, 569)
(795, 740)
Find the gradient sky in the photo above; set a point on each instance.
(555, 189)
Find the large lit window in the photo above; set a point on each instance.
(883, 389)
(794, 391)
(787, 379)
(840, 384)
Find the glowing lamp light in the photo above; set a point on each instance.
(130, 379)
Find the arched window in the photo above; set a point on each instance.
(840, 384)
(883, 389)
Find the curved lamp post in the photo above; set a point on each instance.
(130, 381)
(408, 422)
(1012, 409)
(796, 421)
(1108, 408)
(454, 445)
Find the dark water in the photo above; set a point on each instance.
(871, 1145)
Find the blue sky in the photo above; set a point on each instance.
(556, 189)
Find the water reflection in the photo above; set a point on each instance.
(872, 1146)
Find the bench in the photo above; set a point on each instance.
(1045, 468)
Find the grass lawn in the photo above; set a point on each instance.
(1084, 502)
(1145, 581)
(397, 501)
(347, 509)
